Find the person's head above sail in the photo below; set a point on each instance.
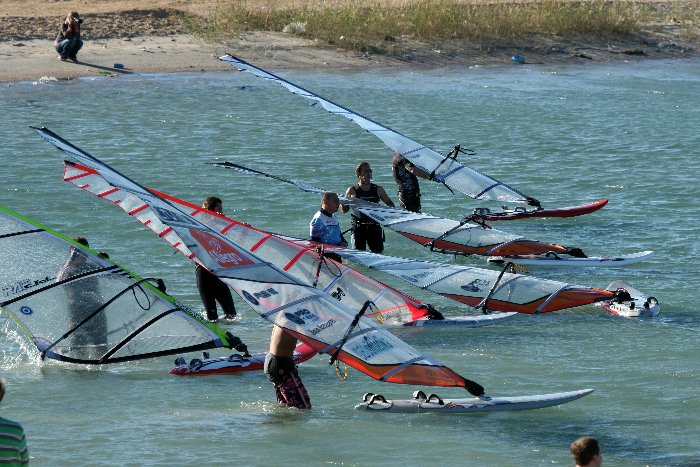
(214, 204)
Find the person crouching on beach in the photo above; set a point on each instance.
(68, 41)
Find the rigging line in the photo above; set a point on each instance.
(484, 302)
(431, 243)
(450, 155)
(160, 285)
(91, 315)
(474, 218)
(345, 338)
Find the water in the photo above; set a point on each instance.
(627, 132)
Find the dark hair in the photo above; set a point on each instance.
(82, 240)
(584, 449)
(358, 169)
(211, 202)
(2, 390)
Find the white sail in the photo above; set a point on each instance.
(82, 308)
(455, 175)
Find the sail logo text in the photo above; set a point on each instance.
(477, 285)
(25, 284)
(321, 327)
(416, 277)
(170, 217)
(225, 255)
(370, 346)
(301, 316)
(338, 294)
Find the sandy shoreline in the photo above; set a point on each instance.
(155, 41)
(36, 59)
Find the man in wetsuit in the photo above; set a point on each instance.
(366, 231)
(211, 288)
(405, 174)
(324, 227)
(84, 296)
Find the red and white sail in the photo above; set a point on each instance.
(312, 316)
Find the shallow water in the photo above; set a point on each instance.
(563, 134)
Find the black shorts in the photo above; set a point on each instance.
(368, 234)
(410, 200)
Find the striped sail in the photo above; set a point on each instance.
(312, 316)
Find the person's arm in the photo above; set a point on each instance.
(316, 230)
(417, 171)
(349, 193)
(384, 197)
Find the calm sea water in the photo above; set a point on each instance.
(627, 132)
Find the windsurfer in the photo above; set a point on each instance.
(406, 175)
(324, 227)
(367, 232)
(211, 288)
(281, 370)
(83, 298)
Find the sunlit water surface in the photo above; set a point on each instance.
(565, 135)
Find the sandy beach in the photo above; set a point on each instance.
(124, 37)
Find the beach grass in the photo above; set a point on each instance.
(357, 24)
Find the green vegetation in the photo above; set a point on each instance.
(357, 24)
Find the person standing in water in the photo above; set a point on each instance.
(282, 371)
(586, 452)
(406, 175)
(367, 232)
(211, 288)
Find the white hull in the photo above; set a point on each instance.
(566, 261)
(460, 321)
(434, 404)
(638, 306)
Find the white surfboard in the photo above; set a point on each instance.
(460, 321)
(553, 259)
(434, 404)
(633, 305)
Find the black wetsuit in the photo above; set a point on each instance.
(365, 230)
(212, 290)
(409, 191)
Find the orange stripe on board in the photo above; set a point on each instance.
(165, 232)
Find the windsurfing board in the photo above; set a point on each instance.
(460, 321)
(525, 213)
(234, 363)
(634, 305)
(434, 404)
(553, 259)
